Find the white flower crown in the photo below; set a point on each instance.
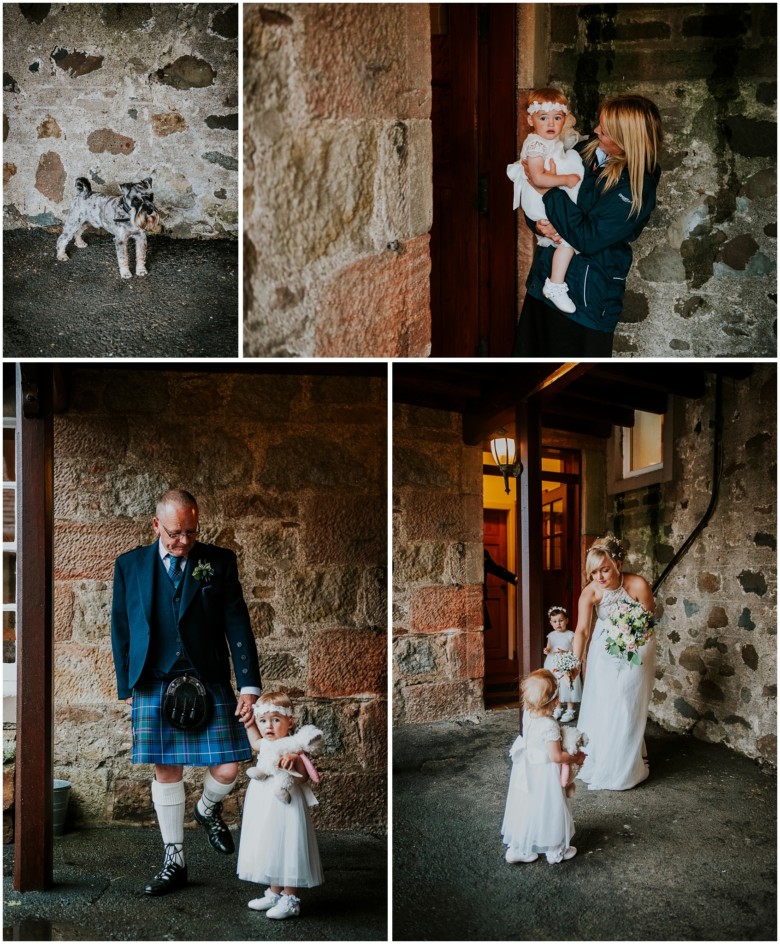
(268, 707)
(547, 106)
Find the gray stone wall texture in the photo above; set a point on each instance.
(289, 470)
(117, 93)
(438, 645)
(337, 180)
(717, 658)
(703, 281)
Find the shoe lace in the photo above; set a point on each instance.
(173, 859)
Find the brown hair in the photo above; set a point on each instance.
(280, 699)
(538, 691)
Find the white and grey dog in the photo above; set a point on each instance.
(132, 214)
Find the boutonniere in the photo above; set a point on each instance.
(204, 571)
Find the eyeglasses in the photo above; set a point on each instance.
(178, 535)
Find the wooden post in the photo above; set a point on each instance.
(33, 834)
(530, 619)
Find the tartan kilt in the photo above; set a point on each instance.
(155, 741)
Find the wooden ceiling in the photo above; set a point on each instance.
(587, 398)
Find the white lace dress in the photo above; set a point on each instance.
(562, 642)
(567, 161)
(614, 705)
(537, 817)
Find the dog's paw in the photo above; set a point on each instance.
(126, 273)
(80, 243)
(141, 272)
(62, 257)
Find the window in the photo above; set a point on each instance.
(9, 529)
(641, 454)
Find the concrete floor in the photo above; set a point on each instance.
(187, 306)
(691, 854)
(98, 893)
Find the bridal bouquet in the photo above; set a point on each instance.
(564, 663)
(629, 626)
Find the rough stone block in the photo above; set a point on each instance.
(346, 530)
(466, 655)
(338, 808)
(378, 306)
(438, 701)
(50, 176)
(82, 553)
(365, 65)
(347, 662)
(326, 597)
(435, 609)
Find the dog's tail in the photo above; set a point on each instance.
(83, 186)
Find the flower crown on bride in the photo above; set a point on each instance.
(610, 546)
(534, 107)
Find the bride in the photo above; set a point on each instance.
(616, 695)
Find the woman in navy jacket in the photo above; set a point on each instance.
(615, 201)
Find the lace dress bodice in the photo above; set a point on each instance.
(610, 598)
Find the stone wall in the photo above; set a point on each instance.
(289, 471)
(703, 279)
(117, 93)
(438, 648)
(337, 179)
(717, 634)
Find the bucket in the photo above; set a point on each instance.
(60, 800)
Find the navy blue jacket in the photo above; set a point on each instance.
(599, 226)
(213, 618)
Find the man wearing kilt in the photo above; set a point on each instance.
(178, 609)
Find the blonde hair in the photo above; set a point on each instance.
(555, 97)
(634, 124)
(603, 548)
(279, 699)
(538, 691)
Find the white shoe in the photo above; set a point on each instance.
(268, 900)
(568, 715)
(513, 857)
(558, 294)
(570, 852)
(288, 906)
(558, 712)
(560, 856)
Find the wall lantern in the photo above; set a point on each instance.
(503, 448)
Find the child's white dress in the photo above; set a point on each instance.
(278, 844)
(567, 161)
(537, 816)
(563, 640)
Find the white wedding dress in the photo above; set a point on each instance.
(614, 706)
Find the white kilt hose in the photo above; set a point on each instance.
(155, 741)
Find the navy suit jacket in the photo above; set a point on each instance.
(213, 618)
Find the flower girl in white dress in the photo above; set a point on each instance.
(278, 845)
(560, 640)
(537, 817)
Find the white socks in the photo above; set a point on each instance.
(213, 792)
(168, 799)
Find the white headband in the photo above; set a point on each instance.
(268, 707)
(547, 106)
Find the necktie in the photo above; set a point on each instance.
(174, 571)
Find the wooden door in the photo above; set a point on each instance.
(501, 666)
(560, 583)
(473, 238)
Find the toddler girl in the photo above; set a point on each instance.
(553, 137)
(278, 845)
(537, 816)
(560, 640)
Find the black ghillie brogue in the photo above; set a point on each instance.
(218, 833)
(170, 878)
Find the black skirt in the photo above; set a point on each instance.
(543, 331)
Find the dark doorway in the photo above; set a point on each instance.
(473, 238)
(501, 666)
(560, 531)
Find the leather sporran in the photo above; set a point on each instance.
(186, 703)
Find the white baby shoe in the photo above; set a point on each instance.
(558, 712)
(513, 857)
(568, 715)
(288, 906)
(558, 294)
(268, 900)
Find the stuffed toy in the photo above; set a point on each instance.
(572, 741)
(307, 738)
